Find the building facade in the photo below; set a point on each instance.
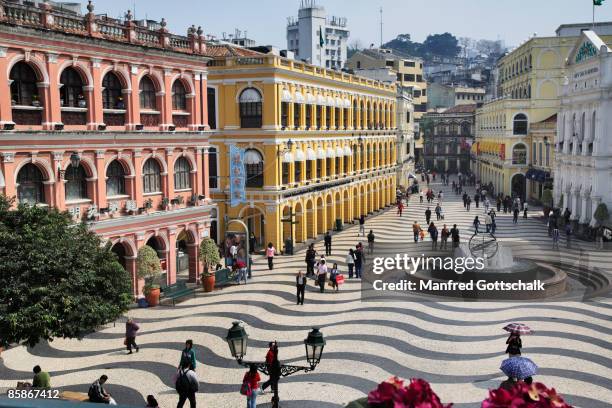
(529, 87)
(449, 138)
(108, 121)
(446, 96)
(539, 176)
(583, 169)
(320, 146)
(305, 33)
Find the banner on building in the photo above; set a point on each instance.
(237, 176)
(502, 151)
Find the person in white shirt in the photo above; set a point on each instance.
(350, 262)
(322, 275)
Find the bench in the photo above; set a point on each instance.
(176, 291)
(74, 396)
(223, 276)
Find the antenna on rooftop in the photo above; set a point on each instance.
(381, 27)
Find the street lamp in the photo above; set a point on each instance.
(237, 341)
(75, 160)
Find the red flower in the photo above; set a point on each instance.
(523, 395)
(394, 394)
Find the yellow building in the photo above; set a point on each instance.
(529, 84)
(319, 144)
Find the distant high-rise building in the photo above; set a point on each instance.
(317, 38)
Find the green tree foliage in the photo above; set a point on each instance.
(443, 45)
(56, 277)
(547, 198)
(148, 267)
(601, 213)
(209, 253)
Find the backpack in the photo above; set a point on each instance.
(246, 389)
(183, 385)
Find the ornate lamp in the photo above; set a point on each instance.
(314, 347)
(237, 340)
(289, 144)
(75, 160)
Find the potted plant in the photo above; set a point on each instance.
(601, 213)
(536, 395)
(165, 203)
(148, 204)
(193, 200)
(148, 267)
(35, 101)
(82, 102)
(209, 255)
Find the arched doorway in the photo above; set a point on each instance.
(320, 216)
(347, 206)
(120, 252)
(254, 218)
(300, 219)
(185, 251)
(159, 246)
(519, 186)
(330, 213)
(364, 201)
(286, 225)
(339, 208)
(310, 220)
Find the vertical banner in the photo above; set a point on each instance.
(502, 151)
(237, 176)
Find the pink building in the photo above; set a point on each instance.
(108, 119)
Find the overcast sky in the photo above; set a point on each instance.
(265, 20)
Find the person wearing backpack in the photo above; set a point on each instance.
(250, 386)
(186, 385)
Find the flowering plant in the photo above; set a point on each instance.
(522, 395)
(394, 393)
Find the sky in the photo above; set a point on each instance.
(512, 21)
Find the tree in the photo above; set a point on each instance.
(148, 267)
(403, 45)
(547, 198)
(601, 213)
(56, 277)
(353, 47)
(209, 254)
(444, 45)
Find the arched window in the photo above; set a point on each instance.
(115, 179)
(355, 109)
(24, 90)
(179, 99)
(465, 129)
(182, 172)
(254, 162)
(250, 108)
(151, 174)
(147, 94)
(30, 185)
(593, 126)
(76, 183)
(519, 124)
(519, 154)
(112, 97)
(71, 91)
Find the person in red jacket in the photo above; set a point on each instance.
(251, 378)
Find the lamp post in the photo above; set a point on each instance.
(237, 339)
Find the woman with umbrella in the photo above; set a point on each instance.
(520, 368)
(514, 340)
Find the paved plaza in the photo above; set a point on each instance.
(457, 346)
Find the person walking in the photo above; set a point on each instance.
(515, 214)
(270, 252)
(455, 236)
(400, 207)
(514, 345)
(333, 276)
(371, 238)
(274, 367)
(350, 262)
(130, 335)
(186, 385)
(444, 234)
(555, 237)
(310, 260)
(567, 214)
(465, 197)
(488, 222)
(433, 233)
(359, 261)
(322, 275)
(300, 284)
(327, 240)
(525, 210)
(427, 215)
(499, 203)
(416, 228)
(476, 224)
(568, 235)
(252, 243)
(97, 393)
(421, 196)
(250, 386)
(438, 211)
(599, 237)
(361, 225)
(477, 199)
(487, 204)
(41, 379)
(469, 202)
(188, 355)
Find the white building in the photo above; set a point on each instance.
(583, 169)
(304, 35)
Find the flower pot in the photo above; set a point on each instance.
(209, 283)
(153, 296)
